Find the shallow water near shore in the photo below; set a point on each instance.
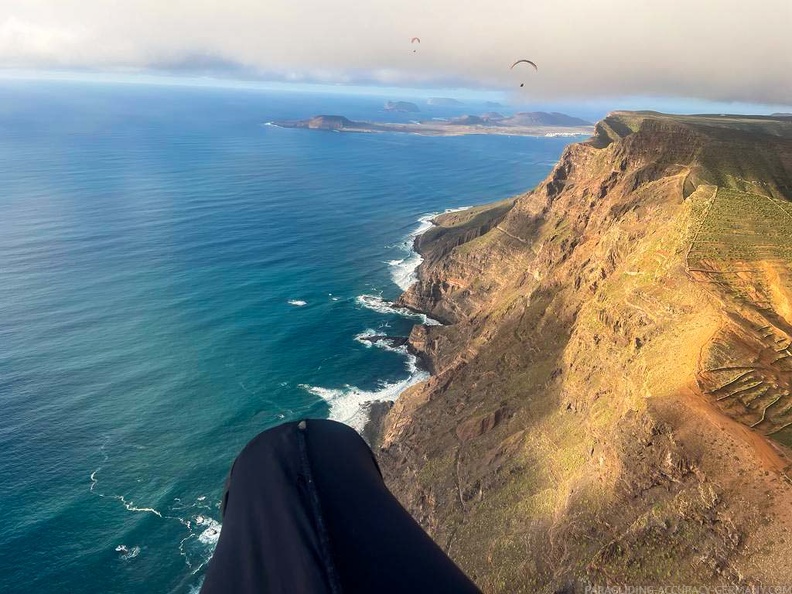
(176, 277)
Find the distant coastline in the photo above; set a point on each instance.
(520, 124)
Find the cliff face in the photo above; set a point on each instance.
(611, 396)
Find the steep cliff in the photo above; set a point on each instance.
(610, 400)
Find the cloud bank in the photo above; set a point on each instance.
(712, 49)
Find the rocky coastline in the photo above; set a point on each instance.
(583, 424)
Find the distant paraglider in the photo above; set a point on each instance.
(524, 62)
(415, 40)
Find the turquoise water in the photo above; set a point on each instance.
(151, 241)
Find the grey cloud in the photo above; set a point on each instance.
(712, 49)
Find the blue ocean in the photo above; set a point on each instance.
(177, 276)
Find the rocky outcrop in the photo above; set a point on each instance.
(401, 106)
(610, 400)
(321, 122)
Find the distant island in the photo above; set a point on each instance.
(533, 118)
(443, 101)
(402, 106)
(537, 123)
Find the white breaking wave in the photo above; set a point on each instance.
(565, 134)
(383, 343)
(403, 271)
(127, 553)
(365, 337)
(211, 532)
(203, 532)
(297, 302)
(347, 403)
(368, 333)
(383, 306)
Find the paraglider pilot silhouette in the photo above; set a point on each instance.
(522, 84)
(306, 511)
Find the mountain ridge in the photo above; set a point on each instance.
(610, 395)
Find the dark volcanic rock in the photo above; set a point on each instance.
(372, 431)
(392, 341)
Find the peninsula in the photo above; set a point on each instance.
(520, 124)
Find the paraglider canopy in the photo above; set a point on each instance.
(524, 62)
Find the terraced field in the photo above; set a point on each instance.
(740, 229)
(743, 250)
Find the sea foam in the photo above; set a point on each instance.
(203, 532)
(365, 337)
(211, 533)
(383, 306)
(347, 404)
(127, 553)
(404, 271)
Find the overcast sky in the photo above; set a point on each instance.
(712, 49)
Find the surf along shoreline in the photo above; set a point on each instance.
(365, 409)
(404, 274)
(437, 234)
(362, 408)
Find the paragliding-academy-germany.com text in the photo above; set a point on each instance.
(785, 589)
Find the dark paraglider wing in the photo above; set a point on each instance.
(525, 62)
(414, 39)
